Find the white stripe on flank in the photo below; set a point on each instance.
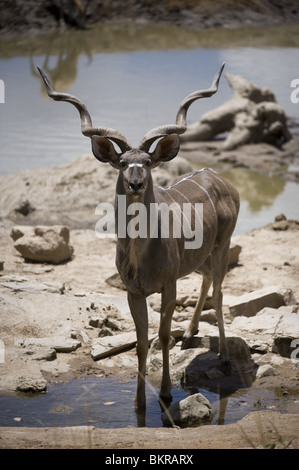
(210, 199)
(179, 219)
(184, 215)
(221, 181)
(186, 178)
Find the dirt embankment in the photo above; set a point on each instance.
(31, 17)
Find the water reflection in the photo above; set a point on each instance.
(259, 190)
(62, 75)
(130, 36)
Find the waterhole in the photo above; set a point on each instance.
(109, 403)
(132, 77)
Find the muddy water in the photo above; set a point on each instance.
(132, 78)
(109, 403)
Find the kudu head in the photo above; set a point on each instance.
(135, 164)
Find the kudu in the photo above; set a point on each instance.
(148, 265)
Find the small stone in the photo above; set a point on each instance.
(280, 217)
(191, 411)
(265, 371)
(29, 385)
(24, 207)
(104, 331)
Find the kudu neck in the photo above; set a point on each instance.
(133, 212)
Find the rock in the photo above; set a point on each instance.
(192, 411)
(282, 346)
(234, 252)
(96, 322)
(115, 281)
(59, 343)
(75, 334)
(1, 265)
(237, 346)
(24, 207)
(214, 373)
(29, 385)
(110, 345)
(48, 244)
(265, 370)
(250, 116)
(104, 331)
(41, 353)
(156, 344)
(258, 346)
(280, 217)
(208, 316)
(276, 330)
(249, 304)
(32, 287)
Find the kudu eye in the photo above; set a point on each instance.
(122, 164)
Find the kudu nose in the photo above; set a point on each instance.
(136, 185)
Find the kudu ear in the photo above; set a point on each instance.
(104, 150)
(167, 148)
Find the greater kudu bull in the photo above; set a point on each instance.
(148, 265)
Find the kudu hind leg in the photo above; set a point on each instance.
(193, 325)
(219, 269)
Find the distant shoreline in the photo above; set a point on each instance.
(31, 18)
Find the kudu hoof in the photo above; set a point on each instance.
(187, 339)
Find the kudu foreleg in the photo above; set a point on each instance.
(167, 309)
(138, 307)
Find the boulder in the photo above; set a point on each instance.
(271, 329)
(237, 346)
(191, 411)
(250, 303)
(45, 244)
(31, 385)
(286, 335)
(110, 345)
(59, 343)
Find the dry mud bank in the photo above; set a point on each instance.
(52, 316)
(29, 18)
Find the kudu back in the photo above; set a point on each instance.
(153, 264)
